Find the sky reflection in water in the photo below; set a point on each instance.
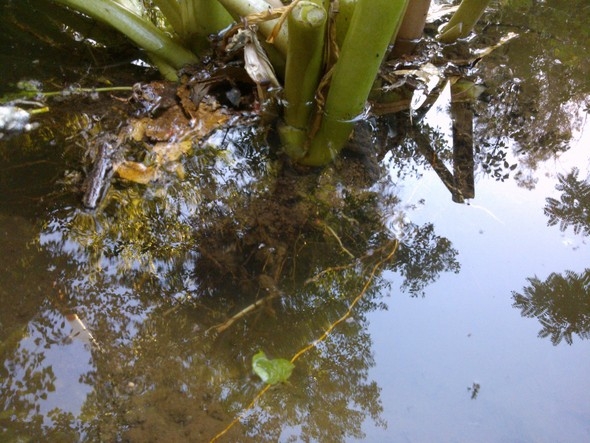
(429, 351)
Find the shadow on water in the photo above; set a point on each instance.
(140, 318)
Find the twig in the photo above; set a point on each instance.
(226, 324)
(331, 231)
(352, 305)
(327, 270)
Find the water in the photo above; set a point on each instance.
(108, 320)
(429, 351)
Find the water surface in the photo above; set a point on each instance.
(108, 326)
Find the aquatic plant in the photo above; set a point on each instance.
(328, 53)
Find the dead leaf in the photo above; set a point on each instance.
(170, 152)
(136, 172)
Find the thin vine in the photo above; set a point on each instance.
(314, 343)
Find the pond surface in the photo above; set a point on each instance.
(116, 324)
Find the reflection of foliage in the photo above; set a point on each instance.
(319, 344)
(27, 380)
(423, 256)
(573, 208)
(333, 374)
(493, 159)
(561, 303)
(537, 82)
(159, 265)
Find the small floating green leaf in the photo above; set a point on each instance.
(271, 371)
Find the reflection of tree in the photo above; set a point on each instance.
(424, 257)
(26, 380)
(561, 303)
(197, 387)
(573, 207)
(157, 372)
(155, 268)
(160, 265)
(338, 398)
(537, 82)
(536, 91)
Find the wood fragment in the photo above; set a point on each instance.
(99, 179)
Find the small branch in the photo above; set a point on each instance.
(333, 233)
(226, 324)
(351, 306)
(266, 283)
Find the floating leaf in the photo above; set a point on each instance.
(271, 371)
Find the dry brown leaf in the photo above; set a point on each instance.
(209, 118)
(136, 172)
(168, 152)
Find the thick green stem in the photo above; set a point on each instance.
(194, 20)
(307, 24)
(211, 16)
(143, 33)
(371, 29)
(343, 19)
(171, 10)
(463, 21)
(166, 70)
(206, 17)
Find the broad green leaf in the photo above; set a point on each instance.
(271, 371)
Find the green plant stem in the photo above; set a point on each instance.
(463, 21)
(171, 10)
(200, 18)
(307, 25)
(371, 29)
(167, 71)
(343, 19)
(210, 16)
(143, 33)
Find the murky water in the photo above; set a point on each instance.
(116, 324)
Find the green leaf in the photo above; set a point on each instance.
(271, 371)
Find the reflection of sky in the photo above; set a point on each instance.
(69, 360)
(430, 350)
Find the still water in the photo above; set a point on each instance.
(114, 323)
